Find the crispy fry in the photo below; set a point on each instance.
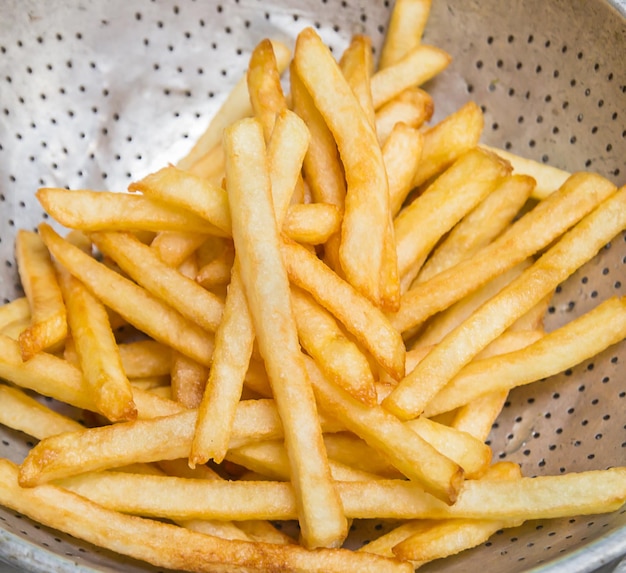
(419, 65)
(188, 379)
(457, 191)
(144, 358)
(534, 231)
(367, 198)
(141, 263)
(404, 33)
(446, 141)
(135, 304)
(257, 243)
(356, 65)
(339, 358)
(558, 350)
(152, 541)
(413, 107)
(48, 315)
(575, 248)
(97, 351)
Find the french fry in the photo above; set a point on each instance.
(534, 231)
(413, 107)
(97, 351)
(141, 263)
(419, 65)
(188, 380)
(541, 497)
(575, 248)
(16, 310)
(48, 315)
(167, 437)
(312, 223)
(356, 65)
(236, 106)
(479, 227)
(548, 178)
(88, 210)
(339, 358)
(409, 453)
(135, 304)
(217, 271)
(431, 532)
(266, 94)
(405, 29)
(446, 141)
(249, 192)
(478, 416)
(233, 349)
(402, 152)
(457, 191)
(173, 248)
(152, 541)
(558, 350)
(360, 317)
(366, 211)
(144, 358)
(21, 412)
(322, 167)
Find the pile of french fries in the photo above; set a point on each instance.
(315, 316)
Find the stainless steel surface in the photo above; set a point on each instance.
(98, 94)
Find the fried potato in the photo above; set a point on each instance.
(48, 315)
(257, 242)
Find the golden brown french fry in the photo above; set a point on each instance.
(366, 211)
(48, 315)
(356, 65)
(188, 380)
(97, 350)
(548, 177)
(217, 271)
(339, 358)
(405, 29)
(385, 544)
(52, 376)
(210, 166)
(447, 320)
(257, 243)
(16, 310)
(446, 141)
(88, 210)
(359, 316)
(236, 106)
(153, 541)
(141, 263)
(419, 226)
(312, 223)
(406, 450)
(233, 348)
(322, 167)
(576, 341)
(478, 416)
(574, 249)
(173, 248)
(419, 65)
(481, 226)
(135, 304)
(21, 412)
(266, 94)
(534, 231)
(143, 358)
(413, 107)
(402, 152)
(541, 497)
(167, 437)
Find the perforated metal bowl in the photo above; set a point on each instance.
(97, 94)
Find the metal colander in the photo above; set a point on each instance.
(98, 94)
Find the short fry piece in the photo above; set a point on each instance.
(48, 315)
(97, 351)
(405, 29)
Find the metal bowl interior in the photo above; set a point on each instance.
(95, 95)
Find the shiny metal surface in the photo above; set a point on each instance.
(95, 95)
